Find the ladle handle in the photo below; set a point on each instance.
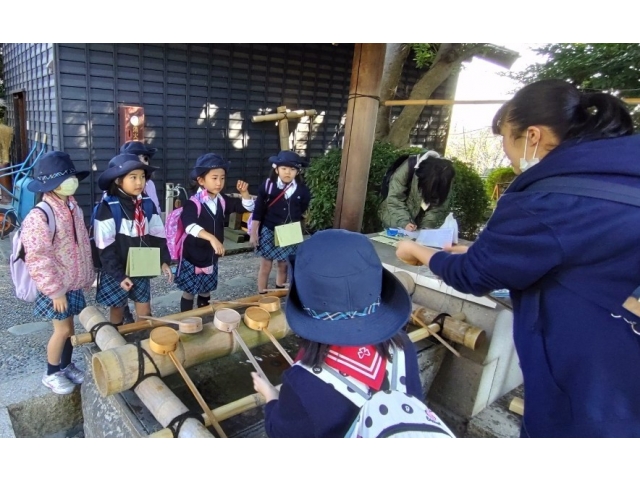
(278, 346)
(196, 394)
(175, 322)
(249, 354)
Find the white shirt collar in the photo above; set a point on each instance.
(212, 202)
(281, 185)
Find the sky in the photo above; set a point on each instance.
(481, 80)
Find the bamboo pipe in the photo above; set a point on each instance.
(455, 328)
(435, 334)
(517, 405)
(272, 117)
(225, 411)
(163, 404)
(164, 340)
(87, 337)
(82, 338)
(116, 370)
(437, 101)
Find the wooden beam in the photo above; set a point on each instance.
(272, 117)
(360, 126)
(436, 101)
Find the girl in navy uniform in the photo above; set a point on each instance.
(281, 199)
(198, 269)
(124, 180)
(145, 154)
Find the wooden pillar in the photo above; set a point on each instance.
(283, 129)
(359, 134)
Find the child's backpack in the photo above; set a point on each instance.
(385, 413)
(384, 186)
(24, 285)
(174, 229)
(116, 210)
(268, 186)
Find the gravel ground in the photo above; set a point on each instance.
(23, 337)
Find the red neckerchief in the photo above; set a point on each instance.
(362, 363)
(138, 217)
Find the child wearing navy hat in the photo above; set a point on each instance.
(203, 217)
(144, 154)
(141, 226)
(283, 198)
(59, 262)
(347, 309)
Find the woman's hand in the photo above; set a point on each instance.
(411, 227)
(264, 387)
(60, 304)
(217, 246)
(166, 269)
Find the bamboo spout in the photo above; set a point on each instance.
(116, 370)
(163, 404)
(455, 328)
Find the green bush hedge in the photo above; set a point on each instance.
(498, 175)
(469, 200)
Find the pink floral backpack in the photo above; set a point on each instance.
(25, 287)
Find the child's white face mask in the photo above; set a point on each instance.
(68, 187)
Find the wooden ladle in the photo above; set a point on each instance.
(227, 320)
(186, 325)
(164, 341)
(257, 318)
(269, 303)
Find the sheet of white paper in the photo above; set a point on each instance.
(438, 238)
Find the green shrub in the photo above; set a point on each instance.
(498, 175)
(469, 200)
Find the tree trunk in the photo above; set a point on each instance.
(449, 57)
(395, 58)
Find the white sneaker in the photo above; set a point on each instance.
(58, 383)
(73, 373)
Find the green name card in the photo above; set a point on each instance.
(288, 234)
(143, 262)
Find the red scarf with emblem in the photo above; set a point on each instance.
(362, 363)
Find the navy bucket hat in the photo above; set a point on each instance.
(341, 294)
(52, 169)
(287, 158)
(207, 162)
(138, 148)
(121, 165)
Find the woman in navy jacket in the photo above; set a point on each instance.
(569, 260)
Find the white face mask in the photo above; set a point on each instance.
(524, 163)
(68, 187)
